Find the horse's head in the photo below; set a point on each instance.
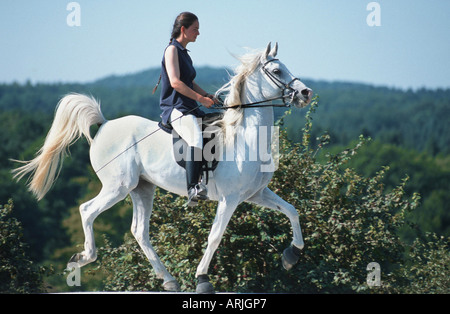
(281, 82)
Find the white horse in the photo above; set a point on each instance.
(129, 161)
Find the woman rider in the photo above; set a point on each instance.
(179, 96)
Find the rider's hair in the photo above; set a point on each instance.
(185, 19)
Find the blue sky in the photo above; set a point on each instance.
(318, 39)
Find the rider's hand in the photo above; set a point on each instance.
(207, 102)
(214, 98)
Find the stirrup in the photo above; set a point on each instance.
(199, 192)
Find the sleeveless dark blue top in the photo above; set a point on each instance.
(170, 98)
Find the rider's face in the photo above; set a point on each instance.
(192, 32)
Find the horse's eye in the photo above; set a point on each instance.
(277, 71)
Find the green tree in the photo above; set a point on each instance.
(427, 268)
(18, 273)
(429, 176)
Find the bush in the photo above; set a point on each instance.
(348, 221)
(428, 266)
(18, 274)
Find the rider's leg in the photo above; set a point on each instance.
(196, 191)
(189, 128)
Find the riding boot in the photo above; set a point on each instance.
(196, 191)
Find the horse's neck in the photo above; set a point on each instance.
(258, 116)
(257, 122)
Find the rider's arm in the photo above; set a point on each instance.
(199, 90)
(173, 71)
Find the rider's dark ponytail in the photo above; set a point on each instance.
(185, 19)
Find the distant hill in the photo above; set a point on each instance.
(415, 119)
(148, 78)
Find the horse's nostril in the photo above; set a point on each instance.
(306, 92)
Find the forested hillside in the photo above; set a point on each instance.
(409, 129)
(412, 119)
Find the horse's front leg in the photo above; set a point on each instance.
(224, 212)
(267, 198)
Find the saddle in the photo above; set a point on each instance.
(180, 146)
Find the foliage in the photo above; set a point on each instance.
(429, 176)
(428, 270)
(18, 274)
(348, 221)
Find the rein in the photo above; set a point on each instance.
(254, 104)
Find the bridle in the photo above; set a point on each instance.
(288, 93)
(291, 92)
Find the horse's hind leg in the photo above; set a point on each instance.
(142, 197)
(107, 197)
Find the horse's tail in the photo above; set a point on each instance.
(75, 114)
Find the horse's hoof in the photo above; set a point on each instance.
(172, 286)
(75, 258)
(290, 257)
(81, 259)
(204, 286)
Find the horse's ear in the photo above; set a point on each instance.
(270, 52)
(267, 52)
(274, 51)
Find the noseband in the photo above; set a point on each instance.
(287, 93)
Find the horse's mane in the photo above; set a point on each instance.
(233, 90)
